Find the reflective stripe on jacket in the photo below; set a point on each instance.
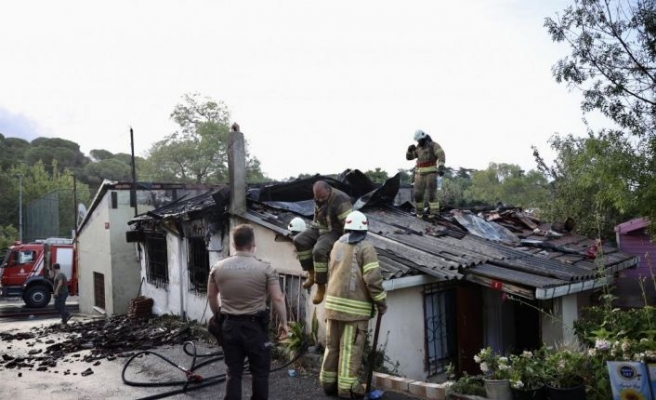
(429, 157)
(331, 215)
(355, 282)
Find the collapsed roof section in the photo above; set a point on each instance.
(505, 249)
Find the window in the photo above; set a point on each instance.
(157, 270)
(294, 293)
(198, 265)
(439, 311)
(25, 257)
(99, 290)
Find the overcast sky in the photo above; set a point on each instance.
(315, 86)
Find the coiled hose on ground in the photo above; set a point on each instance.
(194, 381)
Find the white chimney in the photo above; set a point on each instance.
(237, 170)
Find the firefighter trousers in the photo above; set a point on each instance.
(313, 252)
(343, 358)
(426, 186)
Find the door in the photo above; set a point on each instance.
(99, 289)
(469, 304)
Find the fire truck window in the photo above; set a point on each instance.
(25, 257)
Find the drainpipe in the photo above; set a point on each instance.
(183, 313)
(237, 170)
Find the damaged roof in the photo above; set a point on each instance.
(506, 249)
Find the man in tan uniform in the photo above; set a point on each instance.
(237, 291)
(355, 286)
(313, 245)
(430, 163)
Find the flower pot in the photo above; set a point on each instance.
(498, 389)
(528, 394)
(570, 393)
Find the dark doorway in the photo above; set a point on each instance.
(99, 290)
(527, 326)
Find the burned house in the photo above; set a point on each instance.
(108, 265)
(469, 279)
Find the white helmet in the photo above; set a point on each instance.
(296, 225)
(356, 221)
(419, 134)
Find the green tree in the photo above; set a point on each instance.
(38, 182)
(377, 175)
(612, 59)
(613, 62)
(198, 151)
(12, 151)
(594, 180)
(507, 184)
(62, 153)
(112, 169)
(99, 154)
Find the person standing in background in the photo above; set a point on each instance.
(61, 293)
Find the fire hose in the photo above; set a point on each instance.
(193, 381)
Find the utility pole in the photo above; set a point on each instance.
(133, 191)
(74, 208)
(20, 207)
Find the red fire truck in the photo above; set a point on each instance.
(27, 271)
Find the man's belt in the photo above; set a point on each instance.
(241, 317)
(425, 164)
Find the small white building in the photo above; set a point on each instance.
(108, 265)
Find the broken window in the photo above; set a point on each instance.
(439, 311)
(157, 270)
(198, 265)
(294, 293)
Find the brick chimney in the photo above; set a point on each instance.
(237, 170)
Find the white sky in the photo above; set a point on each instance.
(315, 86)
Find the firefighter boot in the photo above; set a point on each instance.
(318, 296)
(309, 281)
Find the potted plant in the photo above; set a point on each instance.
(527, 376)
(466, 388)
(496, 370)
(564, 369)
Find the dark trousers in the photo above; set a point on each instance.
(241, 339)
(60, 306)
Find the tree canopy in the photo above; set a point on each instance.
(607, 176)
(198, 151)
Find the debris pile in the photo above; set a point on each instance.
(104, 339)
(140, 307)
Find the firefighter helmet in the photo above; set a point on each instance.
(356, 221)
(296, 225)
(419, 134)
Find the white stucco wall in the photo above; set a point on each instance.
(177, 297)
(94, 255)
(126, 274)
(565, 310)
(404, 328)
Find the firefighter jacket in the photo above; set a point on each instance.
(355, 283)
(331, 215)
(429, 157)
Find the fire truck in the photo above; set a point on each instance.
(27, 271)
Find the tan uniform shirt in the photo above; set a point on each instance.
(429, 157)
(242, 281)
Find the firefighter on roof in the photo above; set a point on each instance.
(313, 245)
(430, 163)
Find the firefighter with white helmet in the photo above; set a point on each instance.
(430, 163)
(351, 298)
(296, 226)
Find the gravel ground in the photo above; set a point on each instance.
(64, 380)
